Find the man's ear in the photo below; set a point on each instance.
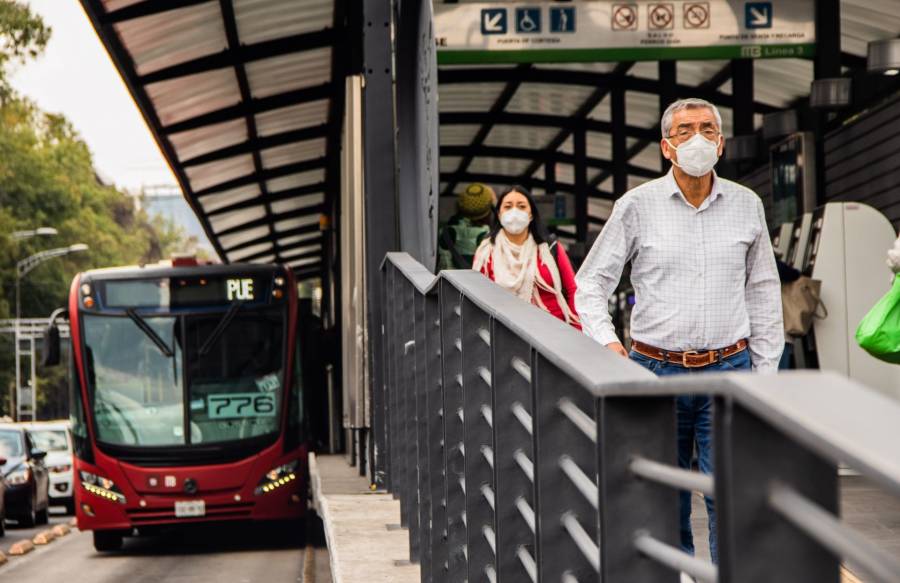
(667, 150)
(721, 145)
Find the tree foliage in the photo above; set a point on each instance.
(47, 179)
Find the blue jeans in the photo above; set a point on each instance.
(695, 414)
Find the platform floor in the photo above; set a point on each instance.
(365, 542)
(864, 507)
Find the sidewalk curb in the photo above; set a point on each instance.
(44, 537)
(20, 548)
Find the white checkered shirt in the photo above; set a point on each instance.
(703, 277)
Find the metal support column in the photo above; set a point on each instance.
(668, 93)
(550, 176)
(579, 139)
(742, 90)
(827, 64)
(619, 142)
(380, 189)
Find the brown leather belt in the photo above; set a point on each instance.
(691, 358)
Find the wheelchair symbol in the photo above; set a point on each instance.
(528, 20)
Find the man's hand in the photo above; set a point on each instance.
(618, 348)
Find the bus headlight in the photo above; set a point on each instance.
(102, 487)
(276, 478)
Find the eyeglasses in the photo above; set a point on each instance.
(685, 134)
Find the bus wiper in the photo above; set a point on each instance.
(150, 332)
(220, 327)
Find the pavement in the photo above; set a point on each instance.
(215, 553)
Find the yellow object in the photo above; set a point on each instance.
(475, 201)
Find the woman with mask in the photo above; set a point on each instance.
(518, 257)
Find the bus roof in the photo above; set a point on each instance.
(164, 270)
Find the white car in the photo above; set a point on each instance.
(55, 438)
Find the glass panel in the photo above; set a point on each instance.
(50, 440)
(11, 444)
(137, 391)
(236, 387)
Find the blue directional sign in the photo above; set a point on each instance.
(528, 20)
(758, 15)
(562, 19)
(493, 21)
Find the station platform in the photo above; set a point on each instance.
(366, 543)
(362, 528)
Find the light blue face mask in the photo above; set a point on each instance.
(697, 156)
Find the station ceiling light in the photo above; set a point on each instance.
(780, 123)
(884, 56)
(831, 93)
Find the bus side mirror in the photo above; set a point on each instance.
(51, 351)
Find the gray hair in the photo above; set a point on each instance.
(681, 105)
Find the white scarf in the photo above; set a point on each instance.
(516, 269)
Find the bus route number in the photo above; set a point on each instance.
(241, 405)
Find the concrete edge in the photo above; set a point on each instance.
(320, 503)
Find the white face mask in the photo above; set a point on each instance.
(515, 221)
(696, 156)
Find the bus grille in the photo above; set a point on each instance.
(213, 511)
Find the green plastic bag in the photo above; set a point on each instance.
(879, 332)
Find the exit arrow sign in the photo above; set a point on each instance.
(758, 15)
(493, 21)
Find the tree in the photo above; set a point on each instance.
(47, 178)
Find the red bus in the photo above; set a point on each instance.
(187, 403)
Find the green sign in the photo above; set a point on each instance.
(549, 32)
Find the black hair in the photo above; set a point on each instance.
(536, 227)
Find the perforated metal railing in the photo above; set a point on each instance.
(520, 450)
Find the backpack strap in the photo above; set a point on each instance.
(449, 241)
(553, 244)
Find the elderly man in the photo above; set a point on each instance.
(708, 298)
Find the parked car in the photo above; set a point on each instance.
(27, 496)
(54, 438)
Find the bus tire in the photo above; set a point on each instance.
(107, 540)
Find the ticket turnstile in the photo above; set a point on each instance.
(846, 250)
(781, 238)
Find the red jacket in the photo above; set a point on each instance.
(566, 277)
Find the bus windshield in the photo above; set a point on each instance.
(139, 393)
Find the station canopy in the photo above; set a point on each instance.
(240, 95)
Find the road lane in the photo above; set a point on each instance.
(15, 533)
(209, 554)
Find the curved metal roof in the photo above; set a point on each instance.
(241, 98)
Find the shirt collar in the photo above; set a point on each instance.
(674, 190)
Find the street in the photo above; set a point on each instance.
(232, 553)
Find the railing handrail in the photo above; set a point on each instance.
(488, 342)
(804, 404)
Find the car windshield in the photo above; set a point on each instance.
(233, 387)
(10, 443)
(49, 439)
(235, 383)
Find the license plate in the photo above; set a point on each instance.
(190, 508)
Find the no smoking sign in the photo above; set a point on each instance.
(660, 16)
(696, 15)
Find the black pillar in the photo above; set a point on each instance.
(742, 93)
(619, 141)
(579, 141)
(827, 64)
(668, 93)
(550, 176)
(380, 189)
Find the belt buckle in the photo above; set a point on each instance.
(684, 362)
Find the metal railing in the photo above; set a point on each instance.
(522, 451)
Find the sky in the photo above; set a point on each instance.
(75, 77)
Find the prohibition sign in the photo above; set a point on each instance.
(660, 16)
(624, 17)
(696, 15)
